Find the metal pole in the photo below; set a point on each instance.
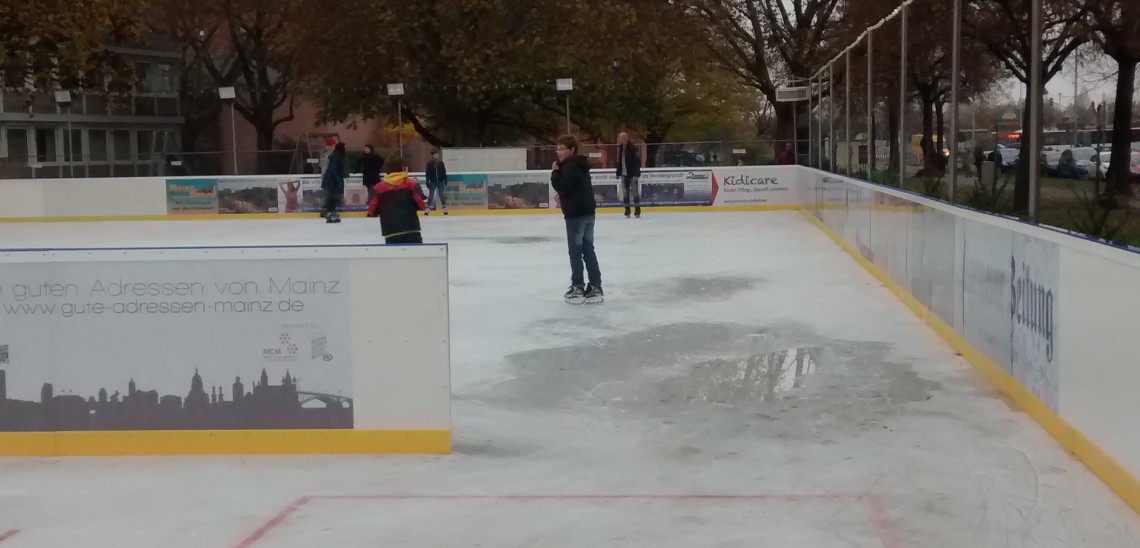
(567, 114)
(1034, 108)
(870, 104)
(811, 130)
(955, 72)
(1076, 70)
(902, 102)
(70, 144)
(796, 132)
(831, 117)
(847, 106)
(233, 138)
(819, 122)
(400, 126)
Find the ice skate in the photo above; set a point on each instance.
(445, 211)
(594, 295)
(636, 214)
(332, 217)
(575, 295)
(427, 211)
(627, 213)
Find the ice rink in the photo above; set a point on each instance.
(745, 384)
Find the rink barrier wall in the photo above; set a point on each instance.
(1065, 357)
(279, 196)
(337, 374)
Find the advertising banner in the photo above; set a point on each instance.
(248, 195)
(985, 290)
(519, 190)
(466, 191)
(1034, 273)
(175, 345)
(750, 186)
(191, 196)
(681, 187)
(313, 197)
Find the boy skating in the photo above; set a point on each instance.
(397, 202)
(570, 176)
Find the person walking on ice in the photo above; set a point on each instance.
(629, 172)
(570, 176)
(332, 182)
(436, 175)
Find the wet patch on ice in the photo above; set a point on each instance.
(696, 288)
(505, 240)
(756, 375)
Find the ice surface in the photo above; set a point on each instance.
(745, 384)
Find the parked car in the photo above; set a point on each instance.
(1070, 167)
(1104, 159)
(1006, 155)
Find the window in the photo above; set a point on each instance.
(145, 140)
(163, 79)
(45, 145)
(122, 141)
(98, 145)
(18, 145)
(143, 84)
(73, 148)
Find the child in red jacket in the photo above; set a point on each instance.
(397, 202)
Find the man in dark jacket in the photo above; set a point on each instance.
(436, 175)
(628, 172)
(570, 176)
(370, 165)
(332, 182)
(398, 202)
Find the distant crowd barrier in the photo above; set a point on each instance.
(290, 194)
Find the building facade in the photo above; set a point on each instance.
(94, 136)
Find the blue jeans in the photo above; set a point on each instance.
(580, 240)
(431, 196)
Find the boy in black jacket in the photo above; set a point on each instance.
(570, 176)
(436, 175)
(397, 202)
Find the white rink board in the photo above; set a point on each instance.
(1053, 310)
(330, 317)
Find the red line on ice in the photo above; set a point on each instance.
(882, 521)
(273, 523)
(8, 534)
(879, 519)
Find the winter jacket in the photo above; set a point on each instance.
(397, 202)
(571, 181)
(333, 179)
(436, 174)
(370, 166)
(632, 156)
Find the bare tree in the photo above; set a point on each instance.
(246, 44)
(767, 43)
(1114, 26)
(1003, 26)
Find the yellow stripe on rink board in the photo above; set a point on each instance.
(224, 442)
(1097, 460)
(360, 214)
